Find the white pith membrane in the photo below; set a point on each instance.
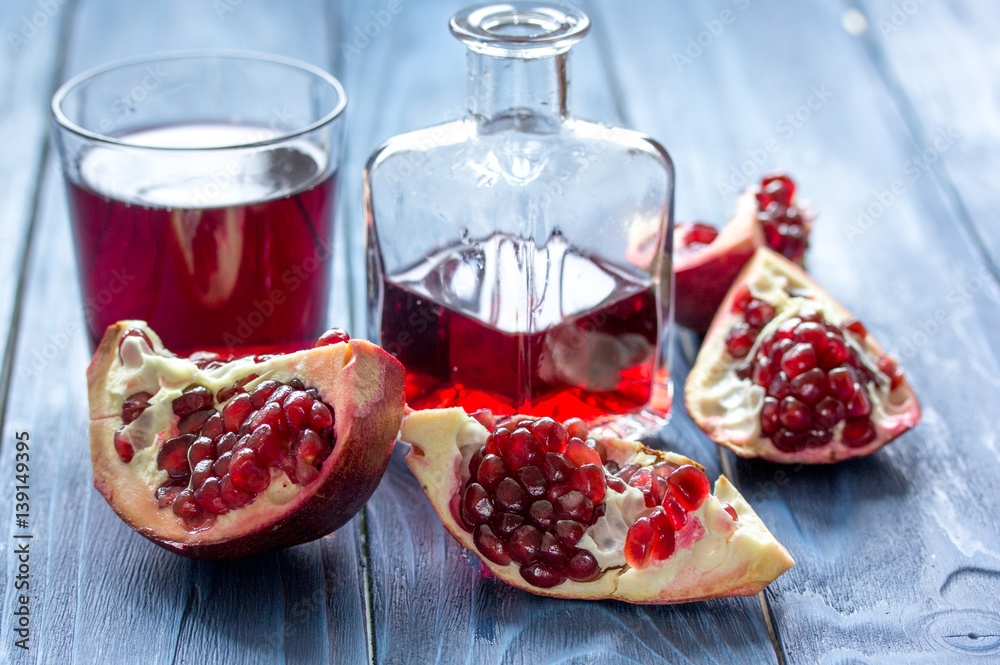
(727, 408)
(139, 368)
(715, 555)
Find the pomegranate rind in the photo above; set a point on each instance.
(727, 409)
(362, 383)
(442, 442)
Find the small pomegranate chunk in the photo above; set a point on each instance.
(333, 336)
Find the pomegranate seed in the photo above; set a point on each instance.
(304, 473)
(817, 438)
(582, 567)
(763, 372)
(829, 412)
(858, 405)
(266, 443)
(542, 513)
(297, 408)
(309, 447)
(581, 453)
(699, 233)
(532, 480)
(172, 456)
(780, 387)
(813, 334)
(209, 497)
(628, 471)
(798, 359)
(643, 480)
(237, 411)
(134, 405)
(541, 577)
(589, 480)
(663, 547)
(639, 543)
(225, 443)
(522, 449)
(262, 392)
(778, 187)
(510, 497)
(490, 545)
(576, 427)
(214, 427)
(477, 507)
(221, 466)
(476, 460)
(664, 469)
(550, 434)
(523, 545)
(732, 512)
(778, 351)
(491, 471)
(856, 328)
(552, 553)
(835, 352)
(675, 511)
(569, 532)
(810, 386)
(201, 449)
(333, 336)
(689, 485)
(231, 496)
(573, 505)
(769, 422)
(194, 398)
(859, 432)
(506, 523)
(616, 484)
(740, 339)
(889, 367)
(167, 492)
(742, 299)
(789, 441)
(247, 472)
(320, 416)
(794, 414)
(192, 423)
(759, 313)
(840, 382)
(122, 447)
(556, 491)
(185, 506)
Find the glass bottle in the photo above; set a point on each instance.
(518, 257)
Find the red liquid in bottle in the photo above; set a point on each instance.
(228, 254)
(581, 344)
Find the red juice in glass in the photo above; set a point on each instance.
(215, 249)
(583, 345)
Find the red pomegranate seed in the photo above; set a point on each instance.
(523, 545)
(811, 333)
(542, 513)
(732, 512)
(541, 577)
(663, 547)
(835, 353)
(627, 471)
(794, 414)
(172, 456)
(858, 405)
(789, 441)
(490, 545)
(497, 441)
(581, 453)
(616, 484)
(310, 448)
(185, 506)
(532, 480)
(247, 472)
(193, 423)
(267, 444)
(664, 469)
(675, 511)
(798, 359)
(569, 532)
(589, 479)
(477, 507)
(574, 505)
(778, 187)
(689, 485)
(485, 418)
(817, 438)
(582, 567)
(859, 432)
(829, 412)
(201, 449)
(262, 392)
(509, 496)
(320, 416)
(552, 553)
(214, 427)
(889, 367)
(763, 372)
(855, 327)
(769, 421)
(556, 491)
(759, 313)
(810, 386)
(557, 467)
(231, 496)
(505, 524)
(778, 351)
(124, 449)
(333, 336)
(167, 492)
(522, 449)
(221, 466)
(699, 233)
(297, 407)
(639, 543)
(209, 497)
(780, 387)
(742, 299)
(841, 383)
(740, 339)
(643, 480)
(225, 444)
(578, 428)
(134, 405)
(476, 460)
(237, 411)
(550, 434)
(491, 471)
(194, 398)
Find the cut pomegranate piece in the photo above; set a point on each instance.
(192, 439)
(567, 526)
(706, 262)
(814, 387)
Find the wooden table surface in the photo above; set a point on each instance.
(888, 114)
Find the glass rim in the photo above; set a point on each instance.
(71, 84)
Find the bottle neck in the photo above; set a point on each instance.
(528, 94)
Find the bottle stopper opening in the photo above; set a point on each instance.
(520, 29)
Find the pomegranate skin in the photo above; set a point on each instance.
(363, 385)
(738, 426)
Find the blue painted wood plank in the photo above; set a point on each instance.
(431, 601)
(896, 553)
(100, 593)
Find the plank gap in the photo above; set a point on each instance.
(366, 577)
(771, 630)
(908, 112)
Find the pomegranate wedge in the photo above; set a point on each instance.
(219, 458)
(788, 374)
(706, 261)
(552, 512)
